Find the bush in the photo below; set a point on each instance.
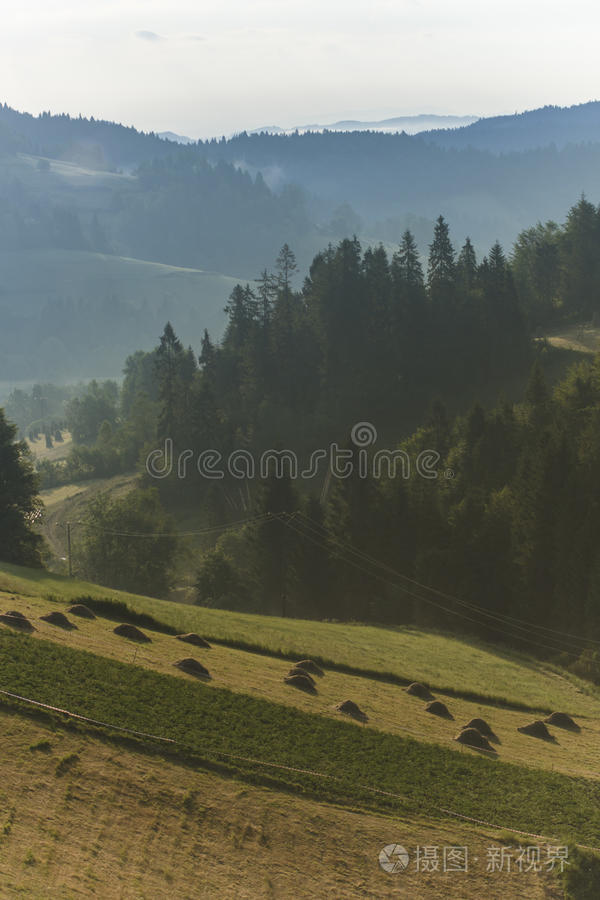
(218, 583)
(582, 875)
(588, 666)
(130, 543)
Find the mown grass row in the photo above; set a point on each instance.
(209, 722)
(119, 611)
(450, 665)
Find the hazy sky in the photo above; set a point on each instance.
(206, 68)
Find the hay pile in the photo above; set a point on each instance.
(132, 633)
(16, 619)
(473, 738)
(302, 682)
(298, 670)
(416, 689)
(563, 720)
(437, 708)
(195, 639)
(309, 666)
(192, 667)
(482, 727)
(59, 619)
(536, 729)
(350, 708)
(84, 612)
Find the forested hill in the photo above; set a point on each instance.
(386, 176)
(558, 125)
(91, 142)
(364, 182)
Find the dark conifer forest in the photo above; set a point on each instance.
(439, 357)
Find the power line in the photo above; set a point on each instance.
(511, 621)
(269, 764)
(531, 640)
(176, 534)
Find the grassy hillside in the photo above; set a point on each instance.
(448, 664)
(295, 750)
(295, 753)
(584, 338)
(69, 801)
(48, 296)
(31, 277)
(388, 706)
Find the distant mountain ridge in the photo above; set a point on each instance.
(559, 125)
(408, 124)
(94, 143)
(175, 138)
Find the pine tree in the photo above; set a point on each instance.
(441, 270)
(466, 267)
(580, 260)
(271, 545)
(286, 267)
(266, 291)
(537, 397)
(19, 503)
(169, 355)
(407, 270)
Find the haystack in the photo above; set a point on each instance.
(84, 612)
(195, 639)
(302, 682)
(59, 619)
(563, 720)
(416, 689)
(134, 634)
(437, 708)
(310, 666)
(482, 727)
(298, 670)
(473, 738)
(536, 729)
(350, 708)
(192, 667)
(16, 620)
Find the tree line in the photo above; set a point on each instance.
(503, 535)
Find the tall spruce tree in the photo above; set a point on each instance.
(441, 269)
(19, 503)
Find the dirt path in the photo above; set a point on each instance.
(68, 504)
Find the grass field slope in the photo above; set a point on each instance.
(249, 723)
(87, 816)
(45, 293)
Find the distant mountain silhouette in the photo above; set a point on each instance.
(409, 124)
(176, 138)
(559, 125)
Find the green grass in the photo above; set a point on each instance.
(260, 675)
(210, 722)
(196, 833)
(447, 664)
(31, 277)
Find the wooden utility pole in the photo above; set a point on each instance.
(69, 550)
